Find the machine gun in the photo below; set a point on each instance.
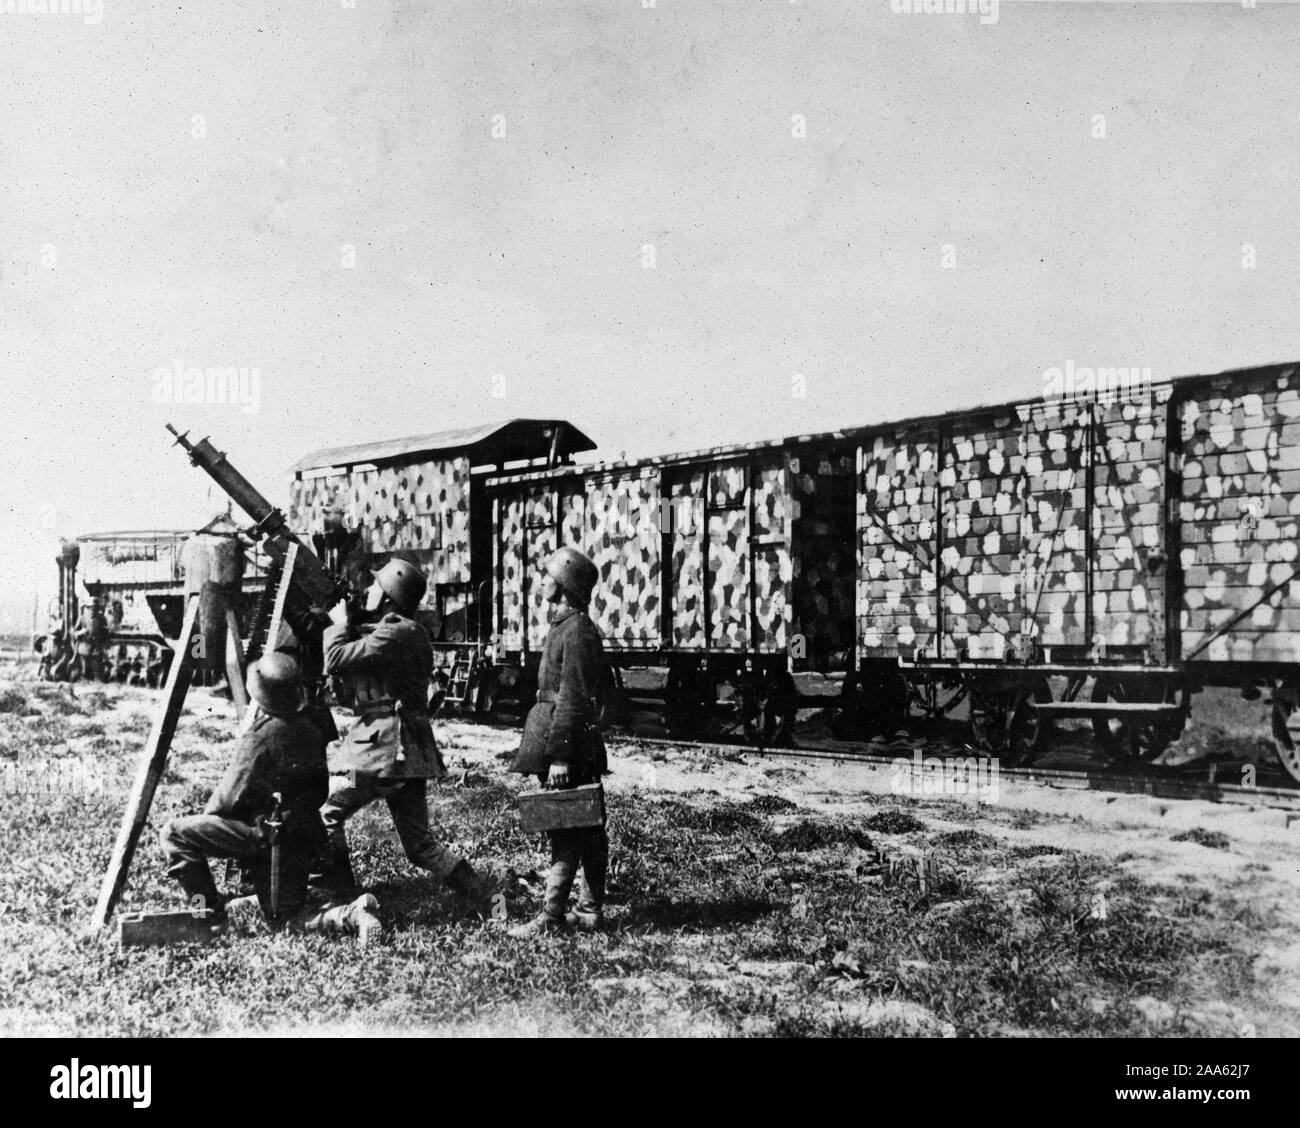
(298, 589)
(310, 586)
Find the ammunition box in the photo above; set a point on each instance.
(137, 930)
(562, 809)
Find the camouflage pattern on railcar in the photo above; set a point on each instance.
(824, 556)
(1240, 512)
(611, 518)
(975, 531)
(419, 508)
(726, 531)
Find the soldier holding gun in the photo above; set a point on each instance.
(390, 752)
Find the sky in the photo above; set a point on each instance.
(662, 223)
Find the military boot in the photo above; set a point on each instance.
(336, 874)
(559, 880)
(469, 884)
(588, 915)
(357, 918)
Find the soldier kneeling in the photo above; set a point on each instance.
(281, 754)
(560, 745)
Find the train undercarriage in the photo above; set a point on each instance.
(1011, 712)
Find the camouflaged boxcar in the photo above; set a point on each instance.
(726, 567)
(422, 498)
(1103, 556)
(1143, 541)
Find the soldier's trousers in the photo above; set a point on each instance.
(190, 841)
(585, 848)
(407, 803)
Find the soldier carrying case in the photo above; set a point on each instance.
(562, 809)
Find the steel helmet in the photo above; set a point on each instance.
(274, 683)
(573, 572)
(403, 583)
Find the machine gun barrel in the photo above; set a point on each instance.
(316, 586)
(240, 490)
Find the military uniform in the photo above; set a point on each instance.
(560, 728)
(284, 754)
(390, 751)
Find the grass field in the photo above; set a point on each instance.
(745, 899)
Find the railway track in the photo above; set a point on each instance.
(1160, 786)
(1161, 783)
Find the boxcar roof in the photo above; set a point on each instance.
(491, 442)
(844, 434)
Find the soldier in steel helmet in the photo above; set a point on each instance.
(561, 746)
(281, 753)
(390, 751)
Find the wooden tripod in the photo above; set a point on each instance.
(153, 759)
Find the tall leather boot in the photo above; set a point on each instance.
(559, 881)
(589, 912)
(200, 890)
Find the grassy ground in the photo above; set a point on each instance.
(776, 911)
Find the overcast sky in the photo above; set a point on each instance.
(180, 182)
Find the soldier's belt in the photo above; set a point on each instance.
(552, 697)
(385, 706)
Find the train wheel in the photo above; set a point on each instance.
(780, 710)
(1138, 738)
(1004, 722)
(1286, 730)
(934, 698)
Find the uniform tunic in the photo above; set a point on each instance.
(388, 665)
(568, 685)
(390, 751)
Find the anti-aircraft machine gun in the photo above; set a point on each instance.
(288, 617)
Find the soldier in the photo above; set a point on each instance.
(560, 746)
(279, 750)
(390, 751)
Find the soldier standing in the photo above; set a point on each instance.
(280, 754)
(390, 751)
(560, 745)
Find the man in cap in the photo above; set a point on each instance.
(280, 753)
(390, 751)
(560, 744)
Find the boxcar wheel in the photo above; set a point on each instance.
(1286, 731)
(780, 710)
(1004, 723)
(1137, 737)
(934, 698)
